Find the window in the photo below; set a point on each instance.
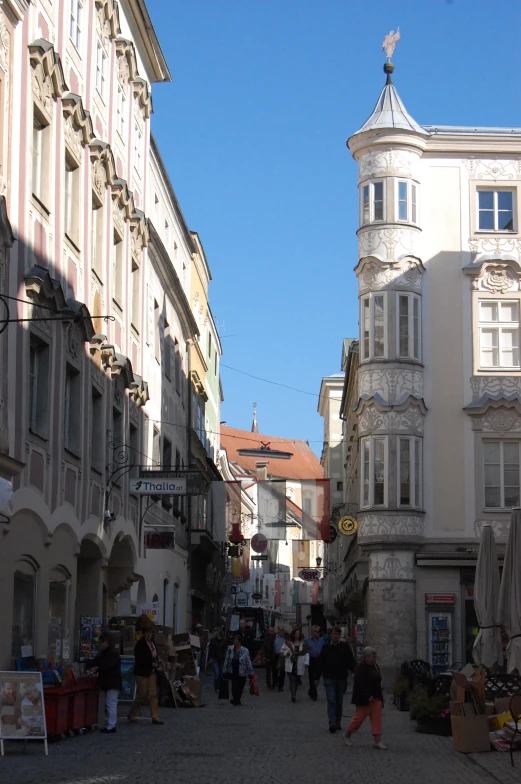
(72, 207)
(101, 69)
(138, 143)
(76, 22)
(121, 109)
(215, 363)
(117, 426)
(167, 235)
(373, 326)
(501, 460)
(209, 345)
(40, 158)
(374, 458)
(373, 202)
(177, 366)
(97, 238)
(96, 431)
(156, 453)
(59, 584)
(24, 605)
(38, 386)
(410, 472)
(407, 201)
(135, 292)
(134, 451)
(339, 487)
(496, 210)
(409, 326)
(157, 332)
(71, 411)
(167, 360)
(117, 270)
(166, 465)
(499, 333)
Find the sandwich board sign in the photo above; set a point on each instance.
(22, 709)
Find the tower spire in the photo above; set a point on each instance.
(254, 424)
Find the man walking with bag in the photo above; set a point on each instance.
(335, 660)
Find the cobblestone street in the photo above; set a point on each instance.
(266, 741)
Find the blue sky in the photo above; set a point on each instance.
(253, 130)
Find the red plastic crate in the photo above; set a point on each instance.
(56, 713)
(77, 703)
(91, 707)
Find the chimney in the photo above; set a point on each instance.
(262, 469)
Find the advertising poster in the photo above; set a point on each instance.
(128, 692)
(150, 610)
(22, 710)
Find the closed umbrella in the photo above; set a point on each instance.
(509, 609)
(487, 649)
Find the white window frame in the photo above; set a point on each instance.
(71, 201)
(500, 327)
(75, 26)
(120, 112)
(416, 487)
(495, 191)
(412, 213)
(138, 143)
(118, 282)
(101, 69)
(501, 470)
(370, 442)
(370, 356)
(412, 298)
(370, 185)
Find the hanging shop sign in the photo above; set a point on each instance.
(158, 486)
(159, 541)
(259, 543)
(256, 597)
(241, 599)
(258, 557)
(22, 711)
(309, 574)
(347, 525)
(192, 479)
(440, 598)
(237, 579)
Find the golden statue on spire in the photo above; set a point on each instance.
(390, 42)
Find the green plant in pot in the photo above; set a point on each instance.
(432, 714)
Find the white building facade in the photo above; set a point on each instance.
(437, 399)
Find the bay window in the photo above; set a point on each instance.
(373, 326)
(501, 474)
(499, 333)
(373, 202)
(410, 472)
(407, 201)
(374, 460)
(409, 327)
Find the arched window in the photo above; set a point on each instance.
(166, 601)
(175, 618)
(58, 634)
(24, 606)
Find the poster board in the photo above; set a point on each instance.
(22, 708)
(128, 692)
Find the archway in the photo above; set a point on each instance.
(120, 571)
(89, 582)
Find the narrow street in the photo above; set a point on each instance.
(266, 741)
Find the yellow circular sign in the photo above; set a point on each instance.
(348, 525)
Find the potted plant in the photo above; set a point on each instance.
(432, 714)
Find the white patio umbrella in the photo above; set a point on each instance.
(487, 649)
(509, 608)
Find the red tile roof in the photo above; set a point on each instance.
(303, 464)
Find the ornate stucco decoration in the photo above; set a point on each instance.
(495, 275)
(142, 97)
(139, 233)
(494, 169)
(390, 162)
(78, 125)
(103, 168)
(376, 525)
(390, 384)
(122, 205)
(5, 45)
(107, 18)
(47, 295)
(494, 387)
(47, 78)
(139, 391)
(499, 414)
(374, 274)
(501, 527)
(391, 565)
(375, 416)
(494, 246)
(387, 243)
(126, 68)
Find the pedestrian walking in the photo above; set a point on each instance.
(335, 661)
(108, 665)
(237, 665)
(368, 698)
(268, 652)
(314, 645)
(278, 668)
(216, 654)
(147, 666)
(296, 661)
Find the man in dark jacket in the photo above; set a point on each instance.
(335, 661)
(108, 664)
(268, 649)
(146, 667)
(216, 653)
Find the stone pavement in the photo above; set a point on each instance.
(268, 740)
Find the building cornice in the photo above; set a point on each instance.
(465, 145)
(17, 7)
(155, 62)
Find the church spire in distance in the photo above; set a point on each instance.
(254, 424)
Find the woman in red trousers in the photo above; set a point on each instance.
(368, 698)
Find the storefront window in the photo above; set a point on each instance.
(24, 599)
(58, 602)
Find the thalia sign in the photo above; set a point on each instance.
(158, 486)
